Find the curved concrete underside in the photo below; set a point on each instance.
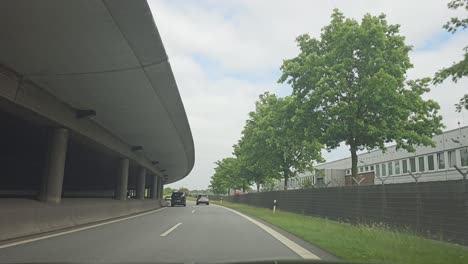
(106, 56)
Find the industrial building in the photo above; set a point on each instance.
(395, 166)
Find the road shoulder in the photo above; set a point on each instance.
(322, 254)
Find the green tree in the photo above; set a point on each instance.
(253, 154)
(458, 69)
(228, 176)
(352, 83)
(274, 143)
(185, 190)
(168, 191)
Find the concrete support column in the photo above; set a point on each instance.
(154, 188)
(122, 180)
(140, 188)
(161, 188)
(52, 182)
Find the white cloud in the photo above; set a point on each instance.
(237, 39)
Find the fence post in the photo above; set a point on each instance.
(384, 196)
(465, 188)
(418, 200)
(358, 205)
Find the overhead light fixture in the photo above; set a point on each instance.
(82, 113)
(135, 148)
(455, 140)
(162, 170)
(155, 162)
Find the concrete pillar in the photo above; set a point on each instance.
(122, 180)
(140, 188)
(161, 188)
(154, 188)
(52, 182)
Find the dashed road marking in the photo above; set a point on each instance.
(170, 230)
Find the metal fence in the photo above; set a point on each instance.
(437, 209)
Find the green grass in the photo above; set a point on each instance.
(360, 243)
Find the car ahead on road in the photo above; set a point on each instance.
(203, 199)
(178, 198)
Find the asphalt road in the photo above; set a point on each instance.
(206, 234)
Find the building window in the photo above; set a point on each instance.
(421, 163)
(397, 167)
(367, 168)
(361, 169)
(384, 170)
(372, 168)
(452, 158)
(412, 163)
(390, 168)
(430, 162)
(405, 166)
(441, 160)
(348, 172)
(377, 170)
(464, 157)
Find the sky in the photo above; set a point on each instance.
(225, 53)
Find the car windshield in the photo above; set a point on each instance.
(203, 131)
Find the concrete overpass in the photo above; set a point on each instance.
(89, 106)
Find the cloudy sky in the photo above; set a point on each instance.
(225, 53)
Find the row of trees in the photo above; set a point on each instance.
(348, 86)
(168, 191)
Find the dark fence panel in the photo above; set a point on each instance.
(438, 210)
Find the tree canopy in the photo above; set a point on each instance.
(282, 150)
(459, 69)
(352, 82)
(272, 146)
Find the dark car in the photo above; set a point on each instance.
(203, 199)
(178, 198)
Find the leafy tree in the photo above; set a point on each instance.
(269, 185)
(274, 144)
(185, 190)
(458, 69)
(306, 183)
(351, 82)
(253, 154)
(228, 176)
(168, 191)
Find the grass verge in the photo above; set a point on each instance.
(357, 242)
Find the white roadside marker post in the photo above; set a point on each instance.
(274, 206)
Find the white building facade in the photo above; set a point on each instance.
(395, 166)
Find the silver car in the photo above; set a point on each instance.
(203, 199)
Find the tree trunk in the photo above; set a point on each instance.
(228, 191)
(258, 187)
(286, 178)
(243, 188)
(354, 161)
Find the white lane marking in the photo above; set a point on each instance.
(75, 230)
(193, 211)
(304, 253)
(170, 230)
